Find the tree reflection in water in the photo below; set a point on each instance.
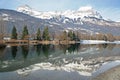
(2, 49)
(73, 48)
(14, 51)
(38, 49)
(70, 48)
(25, 50)
(104, 45)
(45, 49)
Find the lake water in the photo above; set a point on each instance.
(57, 62)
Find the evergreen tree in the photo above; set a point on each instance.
(46, 35)
(25, 32)
(105, 37)
(38, 34)
(75, 37)
(14, 33)
(70, 35)
(64, 35)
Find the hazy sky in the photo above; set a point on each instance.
(109, 9)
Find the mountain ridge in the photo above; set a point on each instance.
(72, 14)
(83, 14)
(86, 25)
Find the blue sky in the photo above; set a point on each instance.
(109, 9)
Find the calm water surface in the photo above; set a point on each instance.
(57, 62)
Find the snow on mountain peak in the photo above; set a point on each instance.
(86, 11)
(25, 9)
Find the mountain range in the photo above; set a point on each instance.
(84, 20)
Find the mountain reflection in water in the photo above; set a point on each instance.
(73, 57)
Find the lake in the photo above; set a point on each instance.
(57, 62)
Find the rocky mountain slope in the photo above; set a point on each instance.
(85, 20)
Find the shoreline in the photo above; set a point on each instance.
(55, 42)
(34, 42)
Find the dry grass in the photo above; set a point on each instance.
(35, 42)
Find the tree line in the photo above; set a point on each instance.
(25, 34)
(45, 35)
(65, 35)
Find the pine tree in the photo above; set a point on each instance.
(105, 37)
(14, 33)
(70, 35)
(75, 37)
(38, 34)
(25, 32)
(64, 36)
(46, 35)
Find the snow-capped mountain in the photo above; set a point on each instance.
(84, 20)
(82, 12)
(80, 16)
